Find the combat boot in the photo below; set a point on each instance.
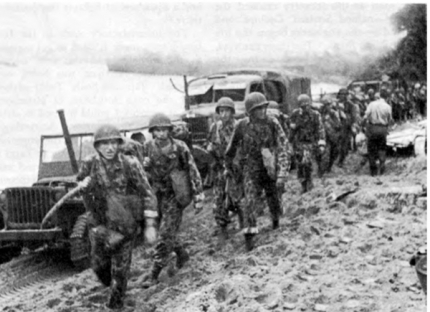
(152, 278)
(249, 241)
(182, 257)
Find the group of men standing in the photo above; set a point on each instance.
(132, 189)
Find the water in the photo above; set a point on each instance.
(30, 96)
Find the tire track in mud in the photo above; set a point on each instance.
(33, 270)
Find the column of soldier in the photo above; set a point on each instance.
(251, 155)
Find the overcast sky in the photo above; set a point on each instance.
(88, 32)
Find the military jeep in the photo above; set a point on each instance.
(24, 208)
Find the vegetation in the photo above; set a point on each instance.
(408, 60)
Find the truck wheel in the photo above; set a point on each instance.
(80, 243)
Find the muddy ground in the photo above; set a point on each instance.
(350, 254)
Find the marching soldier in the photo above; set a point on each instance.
(116, 191)
(308, 139)
(266, 162)
(350, 123)
(332, 125)
(176, 182)
(225, 199)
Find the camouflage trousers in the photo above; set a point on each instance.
(225, 199)
(255, 183)
(332, 152)
(344, 144)
(170, 214)
(112, 267)
(304, 154)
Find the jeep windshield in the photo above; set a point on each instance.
(55, 150)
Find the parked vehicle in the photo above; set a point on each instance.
(24, 208)
(203, 93)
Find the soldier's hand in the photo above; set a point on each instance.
(85, 182)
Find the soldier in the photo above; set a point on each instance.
(266, 162)
(176, 182)
(274, 111)
(308, 139)
(332, 125)
(132, 147)
(370, 96)
(219, 136)
(111, 181)
(350, 122)
(378, 117)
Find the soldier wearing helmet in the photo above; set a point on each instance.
(350, 122)
(118, 196)
(332, 124)
(226, 189)
(176, 182)
(308, 140)
(266, 161)
(274, 111)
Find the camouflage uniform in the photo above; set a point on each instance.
(124, 175)
(350, 122)
(251, 136)
(160, 165)
(219, 137)
(306, 134)
(132, 148)
(332, 125)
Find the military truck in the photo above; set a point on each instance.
(202, 94)
(24, 208)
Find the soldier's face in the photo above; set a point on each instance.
(260, 112)
(161, 133)
(225, 113)
(305, 104)
(108, 148)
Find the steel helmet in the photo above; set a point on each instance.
(255, 100)
(303, 98)
(159, 120)
(326, 100)
(273, 105)
(370, 91)
(225, 102)
(107, 132)
(342, 91)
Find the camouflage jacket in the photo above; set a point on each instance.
(306, 127)
(160, 164)
(352, 114)
(251, 137)
(132, 148)
(123, 176)
(332, 123)
(219, 137)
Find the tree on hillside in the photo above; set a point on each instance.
(411, 52)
